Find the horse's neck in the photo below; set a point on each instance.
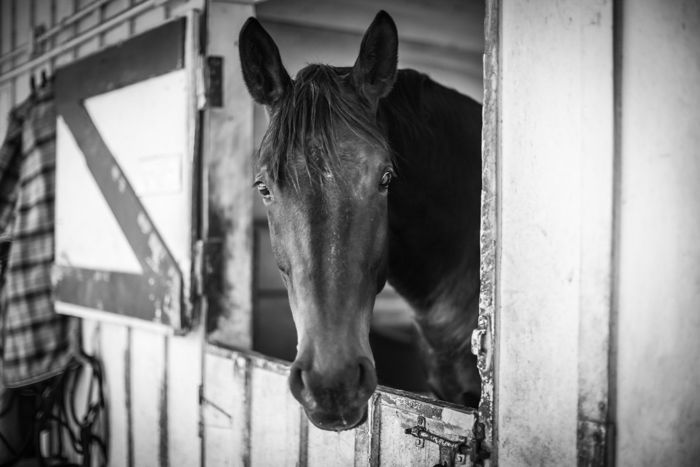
(434, 205)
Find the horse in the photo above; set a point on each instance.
(369, 174)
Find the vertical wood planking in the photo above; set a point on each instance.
(275, 420)
(85, 23)
(5, 107)
(328, 448)
(596, 273)
(184, 379)
(64, 9)
(22, 87)
(148, 396)
(224, 410)
(22, 23)
(6, 31)
(114, 344)
(123, 30)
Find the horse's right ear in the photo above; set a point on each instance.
(263, 72)
(374, 71)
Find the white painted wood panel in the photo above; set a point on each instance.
(275, 420)
(658, 373)
(115, 358)
(328, 448)
(224, 410)
(148, 397)
(555, 167)
(184, 365)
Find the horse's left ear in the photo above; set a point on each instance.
(263, 72)
(374, 71)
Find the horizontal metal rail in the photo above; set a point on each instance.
(93, 32)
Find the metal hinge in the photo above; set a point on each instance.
(481, 343)
(214, 81)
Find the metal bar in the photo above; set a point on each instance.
(67, 21)
(84, 37)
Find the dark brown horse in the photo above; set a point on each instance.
(369, 174)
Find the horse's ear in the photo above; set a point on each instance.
(374, 71)
(263, 72)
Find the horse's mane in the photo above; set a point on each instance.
(301, 134)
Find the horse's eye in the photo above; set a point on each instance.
(386, 180)
(264, 191)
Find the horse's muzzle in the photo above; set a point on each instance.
(337, 401)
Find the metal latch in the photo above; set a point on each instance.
(451, 452)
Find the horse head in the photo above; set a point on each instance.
(323, 170)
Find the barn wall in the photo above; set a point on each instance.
(153, 379)
(555, 230)
(658, 374)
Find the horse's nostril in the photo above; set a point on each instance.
(367, 382)
(296, 381)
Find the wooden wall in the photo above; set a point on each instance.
(555, 188)
(658, 365)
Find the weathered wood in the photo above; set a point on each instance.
(228, 134)
(658, 252)
(275, 420)
(224, 412)
(148, 398)
(596, 268)
(328, 448)
(114, 355)
(184, 380)
(398, 412)
(489, 221)
(554, 250)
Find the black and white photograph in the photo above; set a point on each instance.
(349, 233)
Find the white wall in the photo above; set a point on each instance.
(555, 221)
(658, 367)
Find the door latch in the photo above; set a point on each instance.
(452, 452)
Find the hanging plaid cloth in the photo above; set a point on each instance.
(35, 342)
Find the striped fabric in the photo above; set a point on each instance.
(35, 342)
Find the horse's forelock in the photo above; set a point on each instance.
(302, 137)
